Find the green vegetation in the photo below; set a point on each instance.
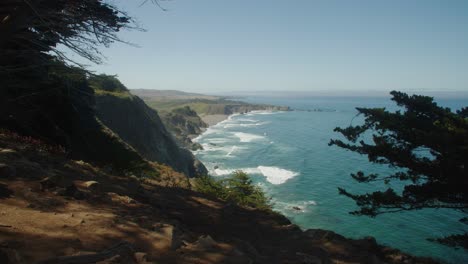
(237, 189)
(108, 85)
(105, 82)
(427, 144)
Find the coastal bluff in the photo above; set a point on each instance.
(142, 128)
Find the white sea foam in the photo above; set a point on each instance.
(263, 112)
(294, 207)
(231, 151)
(209, 147)
(247, 120)
(208, 131)
(277, 175)
(217, 140)
(231, 125)
(274, 175)
(246, 137)
(254, 124)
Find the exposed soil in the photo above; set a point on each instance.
(51, 206)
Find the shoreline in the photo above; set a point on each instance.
(212, 120)
(374, 247)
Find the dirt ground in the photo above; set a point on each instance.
(53, 210)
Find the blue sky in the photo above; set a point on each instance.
(303, 45)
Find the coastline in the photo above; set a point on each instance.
(367, 245)
(212, 120)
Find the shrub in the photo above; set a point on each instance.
(238, 189)
(107, 83)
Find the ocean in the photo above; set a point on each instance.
(287, 155)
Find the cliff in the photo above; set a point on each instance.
(141, 127)
(184, 124)
(60, 111)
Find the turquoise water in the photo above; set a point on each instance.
(286, 153)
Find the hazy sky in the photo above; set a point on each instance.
(304, 45)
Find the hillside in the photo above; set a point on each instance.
(141, 127)
(88, 214)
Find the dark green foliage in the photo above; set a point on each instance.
(186, 110)
(237, 189)
(458, 241)
(107, 83)
(30, 29)
(210, 186)
(426, 143)
(242, 191)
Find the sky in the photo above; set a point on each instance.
(222, 46)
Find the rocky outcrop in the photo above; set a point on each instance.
(184, 124)
(141, 127)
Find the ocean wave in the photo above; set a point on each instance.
(246, 137)
(231, 125)
(208, 131)
(226, 172)
(217, 140)
(277, 175)
(234, 148)
(247, 120)
(263, 112)
(293, 207)
(274, 175)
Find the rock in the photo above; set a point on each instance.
(196, 146)
(297, 208)
(308, 259)
(47, 183)
(205, 243)
(10, 256)
(368, 243)
(7, 171)
(319, 234)
(28, 169)
(54, 181)
(4, 191)
(141, 258)
(9, 153)
(72, 191)
(91, 186)
(373, 259)
(216, 167)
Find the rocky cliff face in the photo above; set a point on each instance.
(184, 124)
(141, 127)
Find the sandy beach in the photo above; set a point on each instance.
(212, 120)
